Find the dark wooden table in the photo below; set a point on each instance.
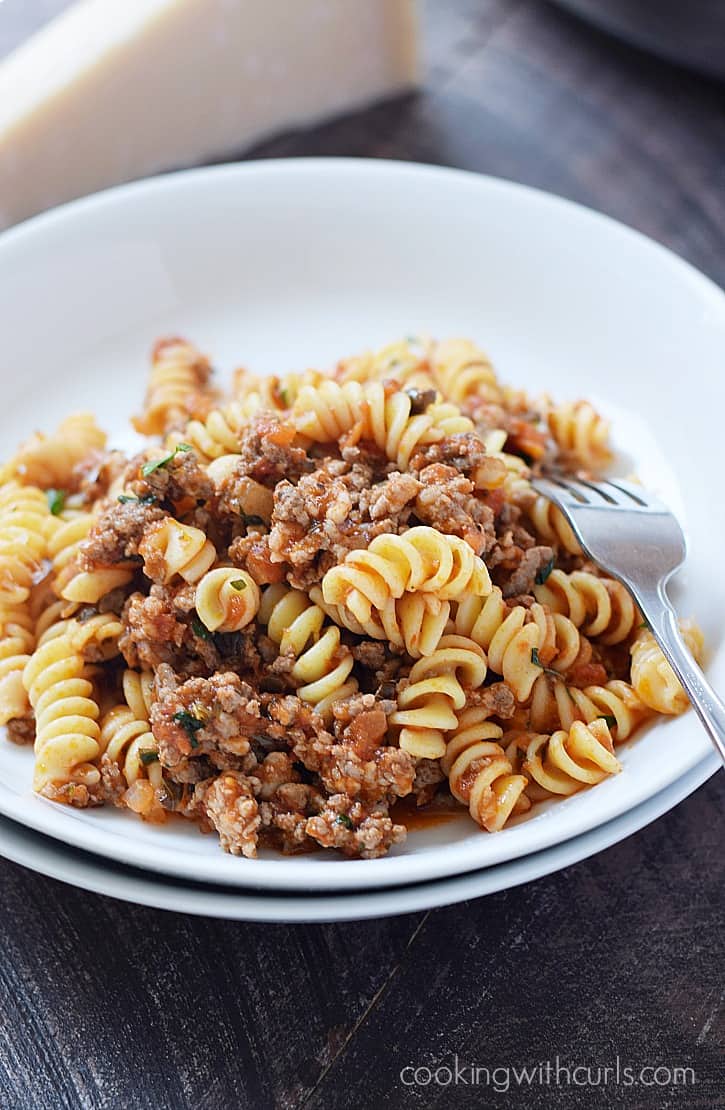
(103, 1004)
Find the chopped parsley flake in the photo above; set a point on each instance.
(148, 755)
(148, 499)
(343, 819)
(56, 500)
(537, 663)
(156, 464)
(190, 725)
(200, 629)
(543, 572)
(238, 584)
(609, 719)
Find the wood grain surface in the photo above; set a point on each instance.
(108, 1005)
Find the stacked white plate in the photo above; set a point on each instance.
(283, 265)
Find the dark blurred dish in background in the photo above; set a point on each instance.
(690, 32)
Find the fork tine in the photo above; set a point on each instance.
(556, 491)
(633, 494)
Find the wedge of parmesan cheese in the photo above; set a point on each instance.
(114, 90)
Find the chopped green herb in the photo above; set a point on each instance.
(251, 519)
(284, 397)
(238, 584)
(56, 500)
(343, 819)
(200, 629)
(190, 724)
(148, 755)
(609, 719)
(148, 499)
(543, 572)
(644, 624)
(537, 663)
(156, 464)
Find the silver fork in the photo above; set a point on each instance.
(636, 538)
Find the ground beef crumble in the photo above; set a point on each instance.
(333, 511)
(116, 534)
(201, 716)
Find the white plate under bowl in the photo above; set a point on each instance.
(84, 870)
(282, 265)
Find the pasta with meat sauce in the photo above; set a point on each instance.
(314, 595)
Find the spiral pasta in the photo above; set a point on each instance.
(94, 635)
(569, 760)
(49, 461)
(480, 775)
(517, 481)
(170, 548)
(71, 582)
(370, 411)
(510, 638)
(554, 704)
(414, 622)
(404, 361)
(601, 607)
(653, 679)
(462, 370)
(178, 387)
(17, 641)
(436, 687)
(67, 734)
(581, 434)
(129, 745)
(322, 662)
(227, 599)
(220, 432)
(420, 560)
(24, 526)
(552, 526)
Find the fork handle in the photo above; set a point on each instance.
(655, 607)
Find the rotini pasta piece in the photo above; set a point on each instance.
(414, 622)
(17, 641)
(227, 599)
(601, 607)
(464, 372)
(551, 525)
(581, 434)
(480, 775)
(512, 644)
(322, 662)
(517, 481)
(220, 432)
(653, 679)
(25, 523)
(131, 749)
(178, 387)
(67, 734)
(275, 392)
(49, 461)
(420, 560)
(561, 644)
(138, 687)
(569, 760)
(437, 687)
(554, 705)
(372, 411)
(70, 580)
(405, 361)
(170, 548)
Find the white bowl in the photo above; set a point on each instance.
(282, 265)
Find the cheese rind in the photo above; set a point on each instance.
(113, 90)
